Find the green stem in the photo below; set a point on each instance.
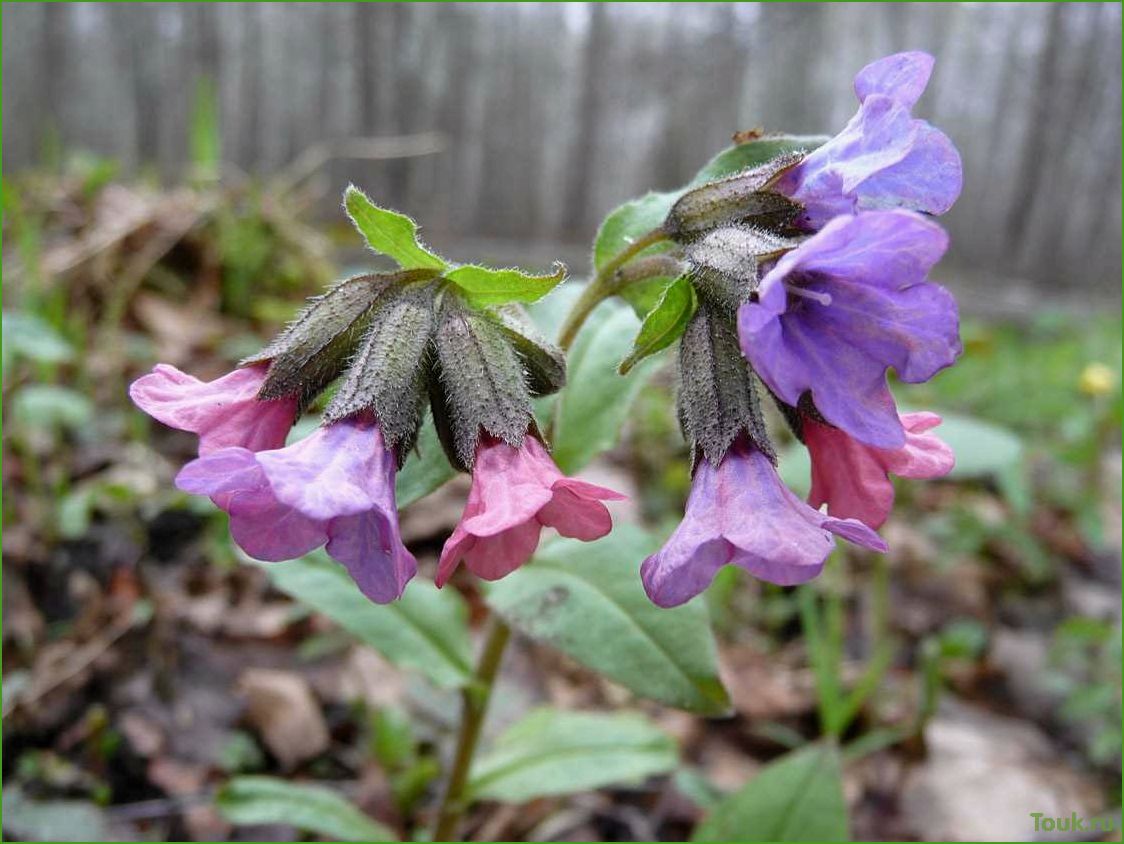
(473, 709)
(603, 286)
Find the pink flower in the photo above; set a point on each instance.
(224, 412)
(515, 493)
(853, 478)
(335, 486)
(741, 514)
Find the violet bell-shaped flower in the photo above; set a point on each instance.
(853, 479)
(834, 314)
(335, 486)
(224, 412)
(741, 513)
(884, 158)
(515, 493)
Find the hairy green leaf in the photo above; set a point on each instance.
(485, 287)
(388, 232)
(624, 225)
(577, 597)
(590, 412)
(755, 153)
(553, 751)
(799, 797)
(426, 629)
(251, 800)
(664, 323)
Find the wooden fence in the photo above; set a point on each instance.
(554, 113)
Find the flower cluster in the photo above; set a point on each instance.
(821, 262)
(394, 341)
(808, 281)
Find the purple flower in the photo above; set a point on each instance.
(334, 486)
(515, 493)
(883, 158)
(224, 412)
(851, 301)
(741, 514)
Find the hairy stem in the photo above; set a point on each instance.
(473, 709)
(603, 286)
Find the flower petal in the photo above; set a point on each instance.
(853, 479)
(224, 412)
(339, 470)
(878, 311)
(371, 548)
(925, 455)
(884, 157)
(575, 515)
(493, 557)
(740, 513)
(271, 531)
(902, 76)
(684, 567)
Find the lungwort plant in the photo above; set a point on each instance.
(793, 270)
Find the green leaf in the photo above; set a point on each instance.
(388, 232)
(312, 808)
(586, 600)
(591, 411)
(753, 153)
(552, 751)
(52, 820)
(73, 513)
(26, 335)
(794, 465)
(625, 224)
(426, 468)
(486, 287)
(630, 221)
(50, 406)
(799, 797)
(981, 448)
(664, 323)
(426, 629)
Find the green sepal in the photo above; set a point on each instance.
(387, 374)
(664, 324)
(545, 363)
(480, 385)
(718, 399)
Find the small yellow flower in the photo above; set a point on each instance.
(1097, 379)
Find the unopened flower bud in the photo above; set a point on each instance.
(744, 197)
(725, 261)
